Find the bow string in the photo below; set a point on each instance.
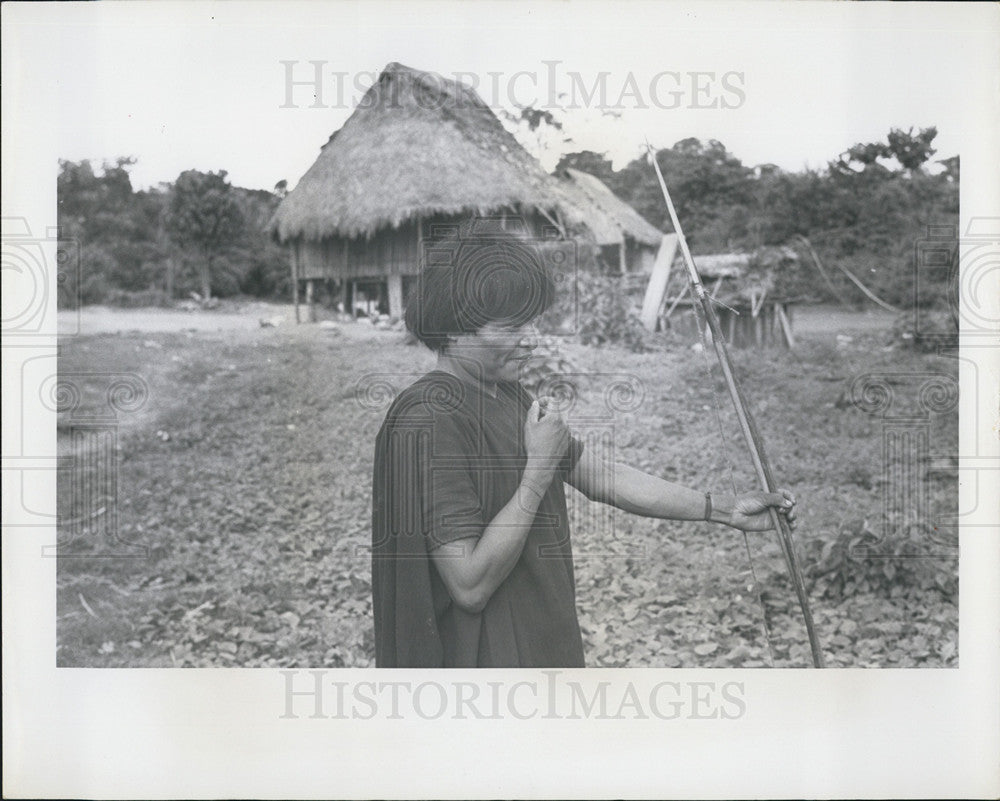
(748, 426)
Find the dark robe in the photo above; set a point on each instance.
(448, 458)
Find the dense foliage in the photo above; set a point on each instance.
(138, 248)
(601, 309)
(866, 211)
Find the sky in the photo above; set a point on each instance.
(205, 85)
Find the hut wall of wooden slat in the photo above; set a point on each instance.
(639, 258)
(392, 254)
(766, 330)
(642, 257)
(390, 251)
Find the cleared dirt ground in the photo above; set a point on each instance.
(243, 498)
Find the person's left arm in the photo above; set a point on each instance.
(637, 492)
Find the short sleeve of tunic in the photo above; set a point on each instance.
(433, 455)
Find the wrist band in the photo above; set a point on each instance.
(708, 505)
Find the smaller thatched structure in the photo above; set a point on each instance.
(753, 311)
(625, 237)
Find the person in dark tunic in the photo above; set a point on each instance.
(471, 557)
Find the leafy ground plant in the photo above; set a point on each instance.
(244, 479)
(860, 562)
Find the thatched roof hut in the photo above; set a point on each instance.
(625, 237)
(419, 154)
(418, 150)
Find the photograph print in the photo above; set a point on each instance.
(524, 362)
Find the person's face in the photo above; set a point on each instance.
(496, 352)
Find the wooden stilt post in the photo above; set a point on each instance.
(396, 296)
(674, 303)
(420, 245)
(295, 279)
(786, 324)
(310, 301)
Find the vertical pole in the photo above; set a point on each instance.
(295, 279)
(310, 301)
(396, 295)
(786, 324)
(658, 279)
(622, 261)
(420, 245)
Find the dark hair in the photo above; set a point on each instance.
(495, 279)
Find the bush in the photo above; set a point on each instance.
(857, 562)
(602, 312)
(546, 363)
(267, 273)
(926, 331)
(93, 289)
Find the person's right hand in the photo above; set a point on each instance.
(546, 437)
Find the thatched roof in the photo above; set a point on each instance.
(417, 145)
(609, 218)
(723, 265)
(736, 278)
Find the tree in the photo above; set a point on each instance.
(205, 217)
(597, 164)
(98, 209)
(94, 204)
(264, 268)
(952, 168)
(912, 151)
(537, 130)
(712, 190)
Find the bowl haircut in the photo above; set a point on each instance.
(495, 279)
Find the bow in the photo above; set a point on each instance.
(751, 435)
